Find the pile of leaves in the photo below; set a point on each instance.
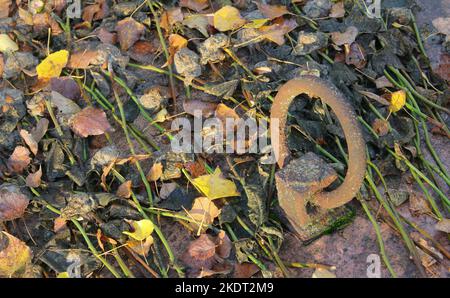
(90, 187)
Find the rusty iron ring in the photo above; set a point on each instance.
(318, 88)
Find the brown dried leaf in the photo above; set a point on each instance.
(124, 190)
(224, 245)
(195, 169)
(278, 29)
(355, 55)
(15, 255)
(59, 224)
(381, 127)
(203, 212)
(89, 122)
(83, 59)
(170, 17)
(223, 113)
(443, 69)
(206, 109)
(142, 51)
(196, 5)
(155, 172)
(29, 140)
(128, 32)
(5, 6)
(12, 202)
(106, 37)
(272, 11)
(245, 270)
(418, 204)
(19, 159)
(96, 11)
(375, 97)
(347, 37)
(443, 225)
(383, 82)
(34, 179)
(337, 10)
(200, 253)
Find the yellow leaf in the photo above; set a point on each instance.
(142, 229)
(214, 186)
(141, 247)
(398, 100)
(203, 212)
(228, 18)
(63, 275)
(7, 44)
(15, 255)
(257, 23)
(52, 66)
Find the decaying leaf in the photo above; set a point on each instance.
(198, 22)
(90, 122)
(19, 159)
(128, 32)
(170, 17)
(52, 66)
(124, 190)
(12, 202)
(96, 11)
(398, 100)
(224, 245)
(223, 113)
(272, 11)
(228, 18)
(15, 255)
(29, 140)
(34, 179)
(5, 6)
(381, 127)
(196, 5)
(203, 213)
(277, 30)
(443, 225)
(338, 10)
(214, 186)
(155, 172)
(83, 59)
(200, 253)
(346, 37)
(245, 270)
(197, 107)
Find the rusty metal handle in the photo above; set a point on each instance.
(317, 88)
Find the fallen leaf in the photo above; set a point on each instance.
(170, 17)
(443, 68)
(323, 273)
(19, 159)
(83, 59)
(203, 212)
(381, 127)
(197, 107)
(176, 42)
(245, 270)
(346, 37)
(155, 172)
(128, 32)
(443, 225)
(65, 105)
(89, 122)
(12, 202)
(277, 30)
(223, 113)
(398, 100)
(7, 45)
(195, 168)
(142, 51)
(383, 82)
(354, 55)
(228, 18)
(375, 97)
(199, 22)
(25, 16)
(124, 190)
(200, 253)
(106, 37)
(418, 205)
(223, 245)
(66, 86)
(34, 179)
(141, 247)
(214, 186)
(95, 12)
(196, 5)
(5, 6)
(29, 140)
(161, 116)
(337, 10)
(272, 11)
(59, 224)
(15, 255)
(52, 66)
(142, 229)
